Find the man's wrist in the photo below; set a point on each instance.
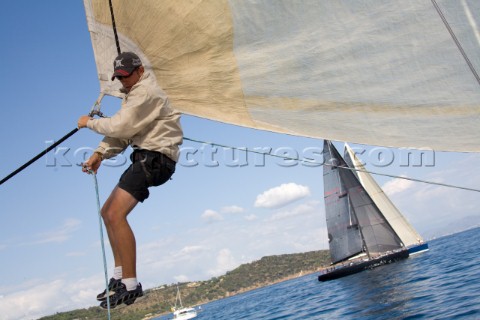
(100, 155)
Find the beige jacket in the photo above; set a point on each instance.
(145, 120)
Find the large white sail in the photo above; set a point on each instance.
(373, 72)
(406, 232)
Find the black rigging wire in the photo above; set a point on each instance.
(454, 37)
(68, 135)
(38, 156)
(114, 27)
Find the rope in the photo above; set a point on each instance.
(102, 242)
(94, 111)
(114, 27)
(454, 37)
(325, 164)
(38, 156)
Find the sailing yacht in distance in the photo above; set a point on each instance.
(180, 312)
(409, 236)
(361, 235)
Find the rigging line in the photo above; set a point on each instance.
(102, 242)
(114, 27)
(95, 111)
(413, 179)
(253, 151)
(38, 156)
(326, 164)
(454, 37)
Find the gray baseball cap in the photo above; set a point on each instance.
(125, 63)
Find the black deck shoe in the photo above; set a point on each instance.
(122, 295)
(112, 286)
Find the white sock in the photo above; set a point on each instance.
(117, 273)
(130, 283)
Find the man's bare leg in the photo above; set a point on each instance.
(122, 240)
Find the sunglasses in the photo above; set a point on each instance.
(123, 77)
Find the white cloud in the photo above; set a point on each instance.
(32, 302)
(181, 278)
(181, 259)
(60, 235)
(281, 195)
(232, 209)
(191, 249)
(304, 208)
(211, 216)
(396, 186)
(251, 217)
(225, 262)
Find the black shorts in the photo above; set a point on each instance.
(148, 169)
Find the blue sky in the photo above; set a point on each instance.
(214, 215)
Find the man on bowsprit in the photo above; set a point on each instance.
(148, 123)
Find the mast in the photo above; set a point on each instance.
(178, 298)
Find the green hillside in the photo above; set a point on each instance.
(265, 271)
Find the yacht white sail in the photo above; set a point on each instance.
(409, 236)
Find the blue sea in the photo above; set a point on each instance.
(443, 283)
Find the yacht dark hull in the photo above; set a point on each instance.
(353, 267)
